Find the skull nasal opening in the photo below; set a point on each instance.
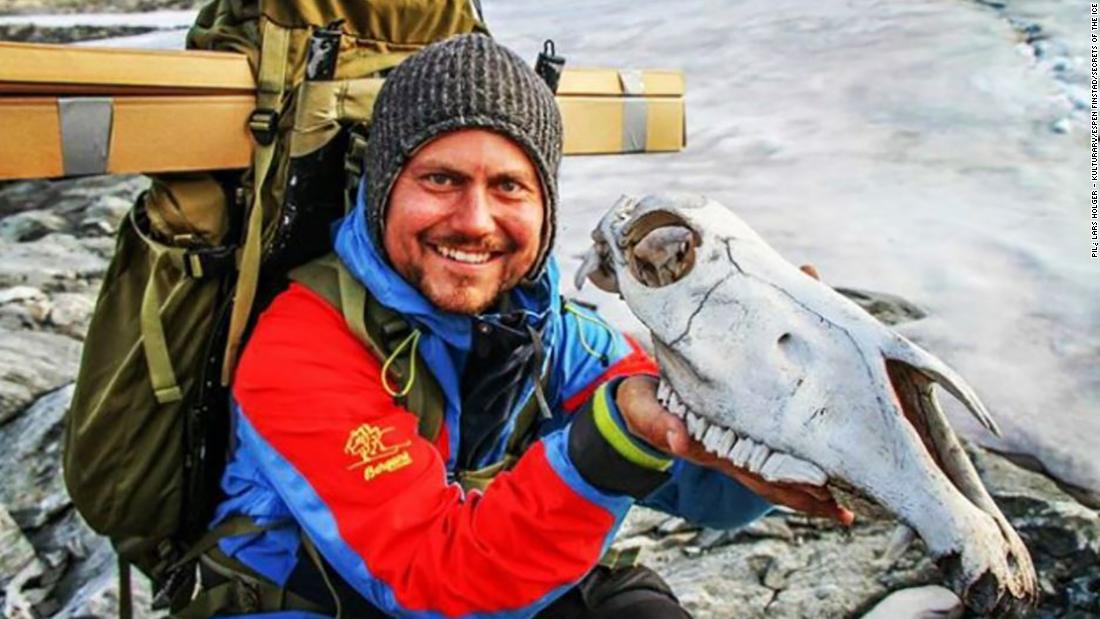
(661, 249)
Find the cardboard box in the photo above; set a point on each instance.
(68, 111)
(139, 134)
(41, 69)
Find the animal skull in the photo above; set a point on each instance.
(788, 379)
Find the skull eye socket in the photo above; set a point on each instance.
(664, 249)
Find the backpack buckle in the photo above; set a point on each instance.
(550, 65)
(263, 123)
(209, 261)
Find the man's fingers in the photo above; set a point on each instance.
(678, 442)
(810, 270)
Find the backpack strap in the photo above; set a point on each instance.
(264, 124)
(125, 590)
(384, 332)
(238, 588)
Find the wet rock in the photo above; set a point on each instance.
(33, 488)
(19, 196)
(111, 208)
(931, 602)
(789, 565)
(888, 308)
(32, 364)
(23, 307)
(98, 597)
(103, 217)
(30, 225)
(641, 520)
(22, 594)
(90, 588)
(708, 539)
(1062, 534)
(16, 551)
(16, 294)
(70, 313)
(96, 227)
(777, 528)
(824, 577)
(28, 315)
(1088, 498)
(23, 7)
(675, 525)
(33, 33)
(28, 594)
(69, 533)
(50, 262)
(65, 195)
(93, 565)
(101, 246)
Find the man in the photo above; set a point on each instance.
(453, 229)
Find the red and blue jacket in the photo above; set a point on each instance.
(323, 450)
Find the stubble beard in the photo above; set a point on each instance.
(463, 298)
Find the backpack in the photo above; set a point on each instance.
(200, 254)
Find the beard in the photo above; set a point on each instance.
(464, 297)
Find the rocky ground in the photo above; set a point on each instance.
(32, 33)
(55, 244)
(22, 7)
(66, 21)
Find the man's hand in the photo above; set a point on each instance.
(649, 421)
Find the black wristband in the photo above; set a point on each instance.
(604, 467)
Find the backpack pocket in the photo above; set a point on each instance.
(127, 453)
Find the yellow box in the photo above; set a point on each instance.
(42, 69)
(161, 111)
(145, 135)
(595, 125)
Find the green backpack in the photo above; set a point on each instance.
(201, 253)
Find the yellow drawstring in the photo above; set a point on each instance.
(584, 341)
(413, 337)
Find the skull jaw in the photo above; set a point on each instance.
(982, 557)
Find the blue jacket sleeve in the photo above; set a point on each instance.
(707, 497)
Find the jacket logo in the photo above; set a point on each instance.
(376, 457)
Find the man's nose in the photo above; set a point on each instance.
(474, 216)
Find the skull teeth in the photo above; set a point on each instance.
(742, 451)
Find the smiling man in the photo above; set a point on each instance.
(550, 428)
(465, 219)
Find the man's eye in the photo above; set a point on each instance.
(440, 179)
(509, 186)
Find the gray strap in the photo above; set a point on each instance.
(635, 111)
(85, 134)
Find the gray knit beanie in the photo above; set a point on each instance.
(463, 82)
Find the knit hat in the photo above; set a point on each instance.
(466, 81)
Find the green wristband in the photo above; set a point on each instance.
(619, 438)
